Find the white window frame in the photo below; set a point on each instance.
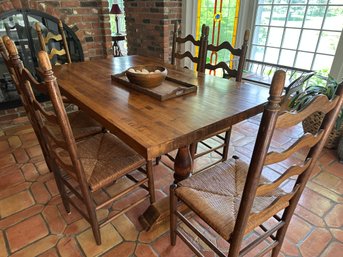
(247, 20)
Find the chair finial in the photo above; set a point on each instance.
(10, 46)
(44, 61)
(38, 27)
(247, 35)
(276, 89)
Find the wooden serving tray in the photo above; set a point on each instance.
(169, 88)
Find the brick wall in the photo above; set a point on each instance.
(149, 26)
(88, 18)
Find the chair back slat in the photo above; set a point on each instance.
(188, 55)
(228, 70)
(55, 143)
(44, 41)
(50, 117)
(51, 36)
(319, 103)
(308, 140)
(188, 38)
(295, 170)
(281, 202)
(222, 65)
(224, 45)
(54, 52)
(179, 43)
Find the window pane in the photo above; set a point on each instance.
(317, 1)
(257, 53)
(265, 1)
(280, 1)
(279, 16)
(295, 16)
(291, 38)
(304, 60)
(298, 1)
(275, 37)
(263, 15)
(322, 62)
(309, 39)
(328, 42)
(314, 17)
(287, 57)
(272, 55)
(333, 20)
(335, 1)
(260, 35)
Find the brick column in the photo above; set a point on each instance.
(149, 26)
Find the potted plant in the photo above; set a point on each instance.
(319, 84)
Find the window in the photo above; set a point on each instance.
(222, 17)
(298, 33)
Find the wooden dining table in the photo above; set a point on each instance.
(153, 127)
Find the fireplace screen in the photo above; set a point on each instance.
(19, 25)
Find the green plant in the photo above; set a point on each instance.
(316, 85)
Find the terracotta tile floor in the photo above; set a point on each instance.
(34, 223)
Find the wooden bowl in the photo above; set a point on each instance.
(148, 80)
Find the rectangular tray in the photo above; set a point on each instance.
(169, 88)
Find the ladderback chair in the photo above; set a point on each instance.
(82, 125)
(93, 163)
(59, 38)
(179, 43)
(234, 198)
(219, 144)
(228, 70)
(12, 61)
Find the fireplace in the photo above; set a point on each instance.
(19, 26)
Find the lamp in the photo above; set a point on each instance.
(116, 11)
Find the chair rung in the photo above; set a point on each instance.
(79, 210)
(265, 230)
(250, 246)
(189, 243)
(210, 165)
(127, 190)
(267, 249)
(277, 217)
(214, 149)
(199, 234)
(123, 211)
(170, 157)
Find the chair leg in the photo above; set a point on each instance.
(151, 184)
(227, 144)
(286, 217)
(91, 212)
(158, 159)
(173, 218)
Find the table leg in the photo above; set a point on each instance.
(183, 164)
(159, 211)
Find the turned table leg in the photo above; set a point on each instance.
(159, 211)
(183, 164)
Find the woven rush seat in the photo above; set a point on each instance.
(81, 124)
(215, 196)
(104, 158)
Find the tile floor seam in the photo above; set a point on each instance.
(6, 242)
